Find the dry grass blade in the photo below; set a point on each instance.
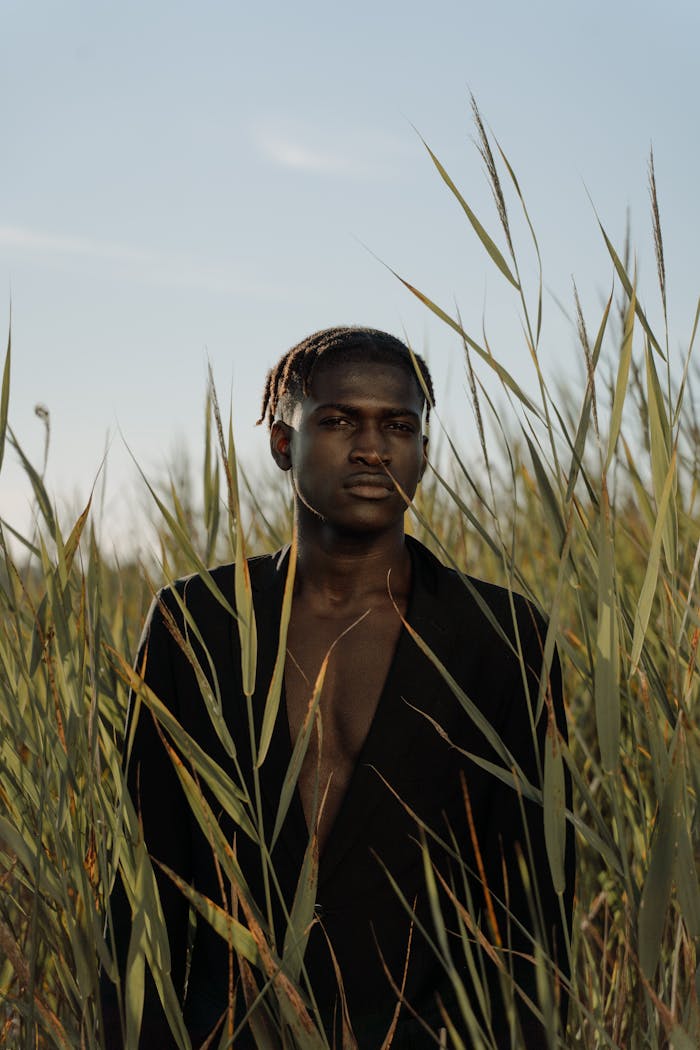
(473, 390)
(349, 1042)
(484, 147)
(528, 220)
(398, 990)
(263, 1034)
(658, 239)
(294, 1010)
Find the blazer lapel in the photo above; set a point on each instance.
(395, 742)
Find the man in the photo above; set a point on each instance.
(427, 677)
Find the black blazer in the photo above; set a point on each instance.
(410, 771)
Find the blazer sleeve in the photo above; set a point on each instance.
(507, 837)
(163, 814)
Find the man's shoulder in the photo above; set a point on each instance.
(475, 602)
(215, 587)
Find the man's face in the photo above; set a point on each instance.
(361, 423)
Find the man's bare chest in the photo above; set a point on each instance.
(359, 654)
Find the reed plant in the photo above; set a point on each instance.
(586, 502)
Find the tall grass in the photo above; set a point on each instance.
(586, 502)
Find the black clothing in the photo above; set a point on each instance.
(403, 753)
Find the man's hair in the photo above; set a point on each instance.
(290, 379)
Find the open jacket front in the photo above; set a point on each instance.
(412, 772)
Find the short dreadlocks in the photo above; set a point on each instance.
(290, 379)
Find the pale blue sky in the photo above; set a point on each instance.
(189, 179)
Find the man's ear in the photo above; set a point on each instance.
(424, 462)
(281, 444)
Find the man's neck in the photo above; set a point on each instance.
(349, 570)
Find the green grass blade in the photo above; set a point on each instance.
(302, 912)
(584, 420)
(228, 928)
(554, 798)
(274, 693)
(40, 493)
(607, 661)
(681, 1040)
(301, 745)
(548, 498)
(661, 442)
(5, 395)
(247, 629)
(629, 288)
(481, 233)
(233, 798)
(622, 380)
(657, 884)
(687, 875)
(646, 597)
(502, 373)
(475, 714)
(686, 366)
(135, 973)
(142, 890)
(186, 546)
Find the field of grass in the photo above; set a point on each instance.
(587, 502)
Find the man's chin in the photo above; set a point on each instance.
(363, 527)
(360, 518)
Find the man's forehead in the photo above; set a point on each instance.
(365, 381)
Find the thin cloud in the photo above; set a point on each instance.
(364, 155)
(289, 154)
(46, 243)
(156, 268)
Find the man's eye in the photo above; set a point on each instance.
(335, 421)
(404, 427)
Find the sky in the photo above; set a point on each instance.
(211, 182)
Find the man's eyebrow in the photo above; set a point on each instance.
(352, 410)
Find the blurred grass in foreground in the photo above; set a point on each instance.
(587, 503)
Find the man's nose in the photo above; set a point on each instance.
(370, 447)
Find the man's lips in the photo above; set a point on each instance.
(370, 483)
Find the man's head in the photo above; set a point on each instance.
(289, 382)
(346, 410)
